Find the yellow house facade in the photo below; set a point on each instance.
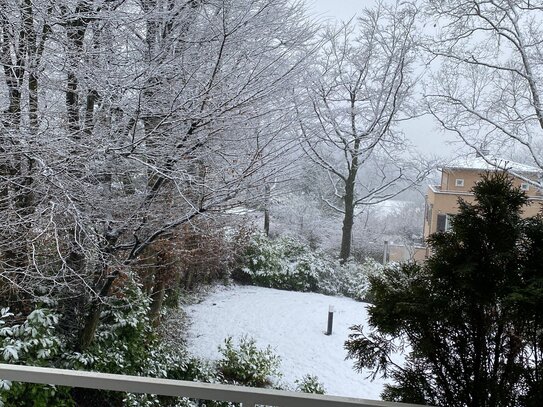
(457, 179)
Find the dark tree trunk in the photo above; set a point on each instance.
(92, 97)
(267, 192)
(348, 221)
(157, 298)
(33, 101)
(72, 105)
(93, 316)
(17, 193)
(267, 221)
(35, 51)
(14, 109)
(103, 282)
(75, 31)
(349, 197)
(89, 328)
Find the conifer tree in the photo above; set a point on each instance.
(471, 318)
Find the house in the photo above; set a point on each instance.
(457, 179)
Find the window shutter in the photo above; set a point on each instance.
(441, 222)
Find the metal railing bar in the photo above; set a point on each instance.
(248, 396)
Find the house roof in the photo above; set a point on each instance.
(490, 164)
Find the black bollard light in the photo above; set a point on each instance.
(330, 320)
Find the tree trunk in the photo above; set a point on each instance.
(348, 221)
(15, 192)
(267, 192)
(92, 97)
(267, 221)
(34, 56)
(157, 298)
(93, 316)
(75, 31)
(33, 101)
(349, 199)
(72, 105)
(90, 326)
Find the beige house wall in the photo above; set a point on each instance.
(443, 199)
(399, 253)
(470, 177)
(441, 203)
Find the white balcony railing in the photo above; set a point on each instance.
(248, 396)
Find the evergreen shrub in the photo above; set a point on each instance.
(32, 342)
(469, 319)
(248, 365)
(310, 384)
(286, 263)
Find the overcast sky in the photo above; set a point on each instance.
(338, 9)
(422, 132)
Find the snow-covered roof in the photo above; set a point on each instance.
(491, 163)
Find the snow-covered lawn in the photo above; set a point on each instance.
(293, 324)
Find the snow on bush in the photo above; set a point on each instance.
(125, 344)
(32, 342)
(247, 365)
(353, 278)
(310, 384)
(286, 263)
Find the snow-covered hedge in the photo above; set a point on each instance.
(286, 263)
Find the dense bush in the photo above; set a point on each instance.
(310, 384)
(33, 342)
(283, 263)
(469, 318)
(288, 264)
(124, 344)
(353, 278)
(247, 365)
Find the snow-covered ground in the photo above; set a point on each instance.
(293, 324)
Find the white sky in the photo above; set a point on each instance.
(423, 132)
(338, 9)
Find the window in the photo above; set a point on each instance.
(525, 186)
(459, 182)
(441, 222)
(448, 220)
(444, 222)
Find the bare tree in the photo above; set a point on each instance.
(490, 68)
(23, 33)
(151, 114)
(360, 89)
